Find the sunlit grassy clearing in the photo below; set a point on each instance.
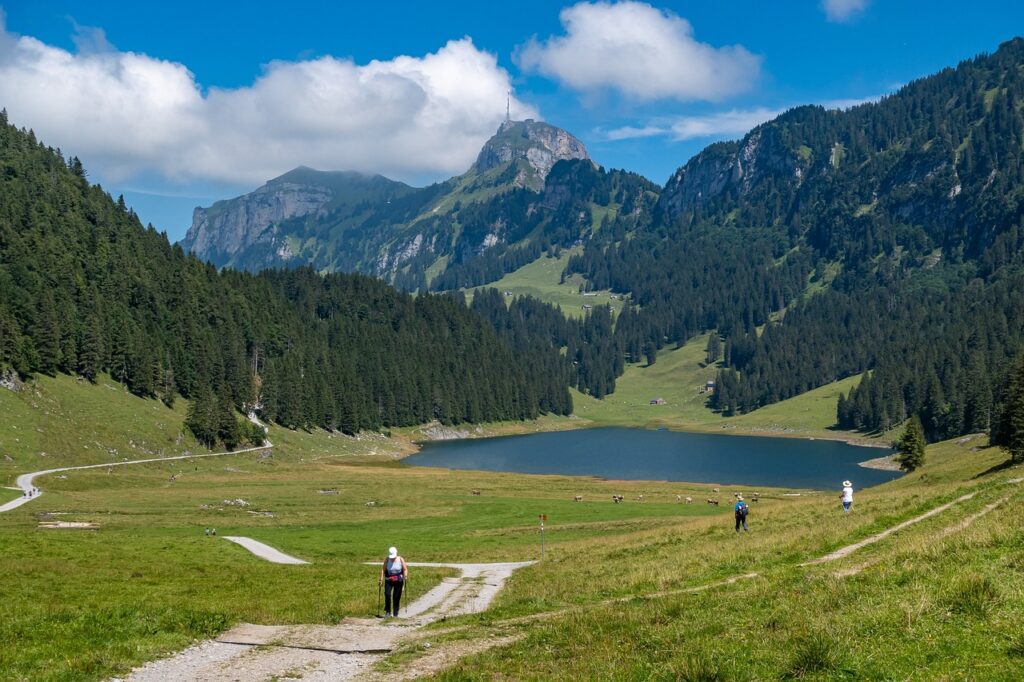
(542, 280)
(678, 377)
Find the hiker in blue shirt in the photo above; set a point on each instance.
(741, 513)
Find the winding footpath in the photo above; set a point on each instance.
(26, 483)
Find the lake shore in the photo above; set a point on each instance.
(887, 463)
(409, 440)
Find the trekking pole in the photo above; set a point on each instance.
(408, 596)
(378, 598)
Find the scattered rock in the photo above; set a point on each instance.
(239, 502)
(9, 380)
(444, 433)
(328, 491)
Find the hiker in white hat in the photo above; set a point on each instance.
(847, 496)
(393, 574)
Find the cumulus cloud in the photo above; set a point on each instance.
(641, 51)
(127, 113)
(842, 10)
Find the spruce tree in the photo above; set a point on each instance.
(1011, 427)
(714, 349)
(910, 446)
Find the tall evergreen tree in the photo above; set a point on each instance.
(910, 447)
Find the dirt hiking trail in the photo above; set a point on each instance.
(344, 651)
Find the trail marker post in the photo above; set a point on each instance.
(543, 518)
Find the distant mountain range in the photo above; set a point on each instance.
(348, 221)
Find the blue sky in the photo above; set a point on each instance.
(179, 104)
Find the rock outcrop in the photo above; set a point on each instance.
(233, 226)
(539, 144)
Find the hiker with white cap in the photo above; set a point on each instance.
(393, 574)
(741, 513)
(847, 496)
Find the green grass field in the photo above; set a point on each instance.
(7, 495)
(938, 600)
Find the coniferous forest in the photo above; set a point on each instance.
(87, 289)
(886, 239)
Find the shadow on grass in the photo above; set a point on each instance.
(997, 468)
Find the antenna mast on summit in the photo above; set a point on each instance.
(508, 106)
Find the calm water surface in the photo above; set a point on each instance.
(636, 454)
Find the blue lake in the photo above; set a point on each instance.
(636, 454)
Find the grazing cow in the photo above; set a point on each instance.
(714, 502)
(714, 490)
(578, 498)
(678, 499)
(617, 498)
(754, 498)
(475, 492)
(371, 503)
(639, 498)
(689, 499)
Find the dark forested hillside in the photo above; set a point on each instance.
(84, 289)
(888, 237)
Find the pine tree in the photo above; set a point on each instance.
(46, 336)
(910, 446)
(714, 348)
(202, 418)
(1011, 426)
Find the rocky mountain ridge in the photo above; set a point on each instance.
(348, 221)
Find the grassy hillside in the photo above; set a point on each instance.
(678, 377)
(63, 421)
(541, 279)
(940, 601)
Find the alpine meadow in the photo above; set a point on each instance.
(399, 252)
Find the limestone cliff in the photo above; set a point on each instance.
(540, 145)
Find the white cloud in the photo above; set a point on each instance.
(732, 123)
(641, 51)
(721, 124)
(128, 114)
(842, 10)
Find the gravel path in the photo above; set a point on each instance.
(303, 652)
(264, 551)
(25, 481)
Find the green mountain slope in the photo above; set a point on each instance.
(85, 289)
(825, 243)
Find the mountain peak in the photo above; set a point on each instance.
(540, 145)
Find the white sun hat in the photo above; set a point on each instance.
(847, 484)
(392, 553)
